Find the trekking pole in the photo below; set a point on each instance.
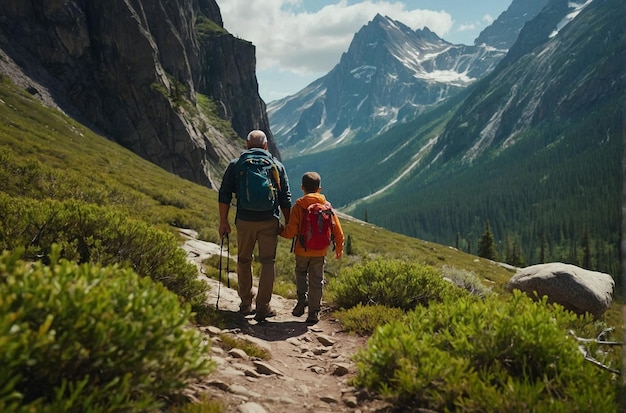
(219, 284)
(227, 261)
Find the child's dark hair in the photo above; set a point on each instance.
(311, 182)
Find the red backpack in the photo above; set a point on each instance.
(317, 228)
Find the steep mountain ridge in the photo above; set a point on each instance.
(533, 89)
(147, 74)
(389, 75)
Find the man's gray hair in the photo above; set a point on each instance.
(257, 139)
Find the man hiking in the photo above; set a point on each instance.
(260, 184)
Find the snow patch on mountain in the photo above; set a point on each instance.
(577, 8)
(446, 76)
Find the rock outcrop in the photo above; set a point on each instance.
(574, 288)
(133, 71)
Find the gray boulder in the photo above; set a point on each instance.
(574, 288)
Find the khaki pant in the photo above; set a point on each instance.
(249, 233)
(310, 277)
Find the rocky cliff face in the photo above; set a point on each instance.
(133, 70)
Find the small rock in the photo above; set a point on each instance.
(340, 369)
(252, 373)
(350, 401)
(246, 369)
(214, 331)
(251, 407)
(320, 350)
(318, 369)
(217, 350)
(325, 340)
(242, 391)
(329, 399)
(293, 340)
(265, 368)
(238, 353)
(219, 384)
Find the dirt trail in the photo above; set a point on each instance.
(309, 368)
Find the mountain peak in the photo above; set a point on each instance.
(388, 24)
(389, 75)
(427, 34)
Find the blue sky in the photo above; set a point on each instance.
(299, 41)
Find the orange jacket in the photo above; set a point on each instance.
(296, 222)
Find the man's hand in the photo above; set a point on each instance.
(224, 225)
(224, 229)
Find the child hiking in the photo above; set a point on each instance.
(314, 226)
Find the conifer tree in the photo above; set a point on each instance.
(487, 245)
(349, 250)
(586, 250)
(513, 252)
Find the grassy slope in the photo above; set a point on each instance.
(76, 162)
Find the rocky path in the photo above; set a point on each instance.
(309, 368)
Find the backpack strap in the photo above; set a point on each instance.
(332, 225)
(301, 236)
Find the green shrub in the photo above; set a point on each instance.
(90, 233)
(79, 338)
(207, 315)
(391, 283)
(472, 355)
(466, 280)
(364, 319)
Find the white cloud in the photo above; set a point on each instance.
(290, 38)
(466, 27)
(487, 19)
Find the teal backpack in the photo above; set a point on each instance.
(258, 181)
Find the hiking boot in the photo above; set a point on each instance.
(246, 310)
(313, 318)
(261, 316)
(298, 310)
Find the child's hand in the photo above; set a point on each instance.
(338, 254)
